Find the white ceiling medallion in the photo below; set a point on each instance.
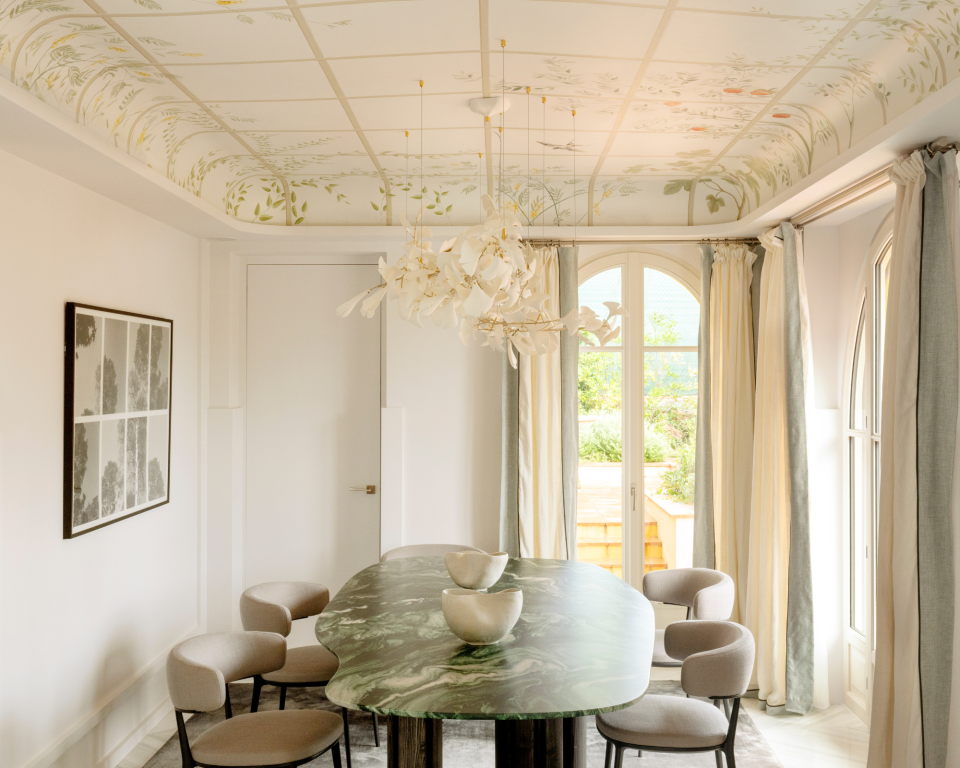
(489, 106)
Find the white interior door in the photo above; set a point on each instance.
(313, 427)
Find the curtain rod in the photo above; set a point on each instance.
(862, 188)
(638, 241)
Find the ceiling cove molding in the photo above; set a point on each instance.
(51, 140)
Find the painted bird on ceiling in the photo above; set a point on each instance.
(568, 147)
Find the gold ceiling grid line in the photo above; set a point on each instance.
(135, 44)
(345, 104)
(628, 100)
(846, 30)
(717, 11)
(585, 97)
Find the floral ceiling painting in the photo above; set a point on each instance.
(287, 113)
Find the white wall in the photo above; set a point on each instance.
(821, 261)
(451, 395)
(86, 622)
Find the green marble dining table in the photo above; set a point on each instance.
(582, 646)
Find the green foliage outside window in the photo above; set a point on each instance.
(670, 407)
(602, 440)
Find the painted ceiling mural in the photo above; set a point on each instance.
(309, 113)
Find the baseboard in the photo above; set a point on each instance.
(117, 755)
(104, 737)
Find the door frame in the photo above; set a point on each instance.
(632, 260)
(223, 396)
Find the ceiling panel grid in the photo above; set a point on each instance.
(279, 112)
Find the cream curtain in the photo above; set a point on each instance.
(540, 482)
(896, 735)
(731, 411)
(765, 611)
(538, 497)
(753, 514)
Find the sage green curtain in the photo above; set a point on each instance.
(776, 590)
(915, 718)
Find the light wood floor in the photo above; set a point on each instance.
(826, 738)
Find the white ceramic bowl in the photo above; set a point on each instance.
(475, 570)
(481, 618)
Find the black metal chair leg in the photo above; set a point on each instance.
(336, 755)
(184, 743)
(618, 760)
(639, 753)
(608, 759)
(728, 752)
(257, 687)
(283, 696)
(726, 708)
(376, 730)
(346, 736)
(227, 707)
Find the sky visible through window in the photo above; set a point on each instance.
(662, 293)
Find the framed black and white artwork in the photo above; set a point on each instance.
(116, 433)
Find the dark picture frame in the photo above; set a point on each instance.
(117, 413)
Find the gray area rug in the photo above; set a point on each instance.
(466, 743)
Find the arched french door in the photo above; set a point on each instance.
(638, 417)
(862, 399)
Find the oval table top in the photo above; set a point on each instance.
(582, 646)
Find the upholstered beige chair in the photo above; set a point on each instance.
(273, 607)
(717, 664)
(707, 594)
(424, 550)
(198, 671)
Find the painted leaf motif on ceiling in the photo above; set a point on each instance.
(295, 113)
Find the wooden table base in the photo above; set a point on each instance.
(413, 742)
(418, 743)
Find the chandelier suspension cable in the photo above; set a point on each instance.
(529, 196)
(480, 180)
(421, 193)
(406, 176)
(543, 167)
(574, 176)
(486, 281)
(503, 108)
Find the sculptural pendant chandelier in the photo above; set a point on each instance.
(487, 280)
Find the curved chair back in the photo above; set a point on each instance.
(707, 592)
(717, 657)
(199, 668)
(424, 550)
(274, 606)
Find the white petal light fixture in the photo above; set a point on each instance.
(488, 281)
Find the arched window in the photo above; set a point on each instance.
(862, 400)
(638, 417)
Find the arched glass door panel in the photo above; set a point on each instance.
(637, 435)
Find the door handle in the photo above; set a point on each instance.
(369, 489)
